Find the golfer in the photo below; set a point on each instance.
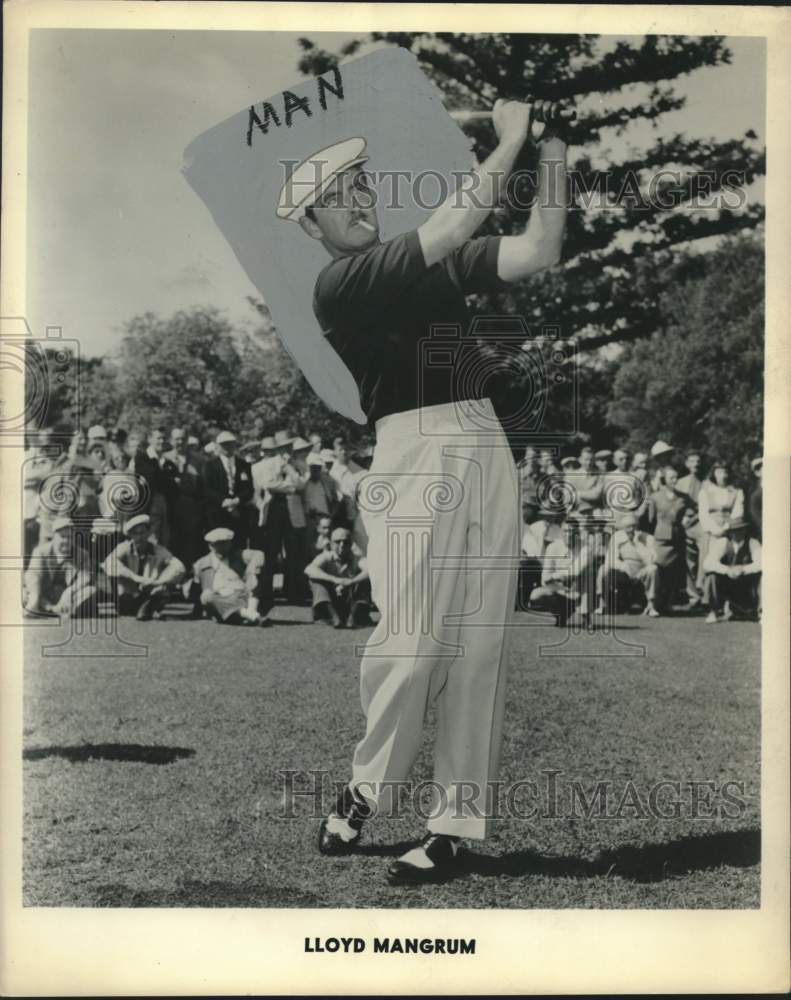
(442, 464)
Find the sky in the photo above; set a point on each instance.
(113, 229)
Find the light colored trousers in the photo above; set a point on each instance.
(441, 508)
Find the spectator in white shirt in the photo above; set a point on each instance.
(347, 473)
(733, 574)
(629, 574)
(568, 566)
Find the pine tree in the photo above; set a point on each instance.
(617, 253)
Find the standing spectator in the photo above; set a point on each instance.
(620, 459)
(602, 461)
(718, 503)
(58, 579)
(147, 464)
(228, 482)
(251, 449)
(640, 466)
(186, 508)
(145, 573)
(227, 581)
(346, 474)
(340, 585)
(590, 484)
(320, 498)
(283, 520)
(629, 574)
(116, 449)
(666, 512)
(315, 443)
(545, 459)
(328, 457)
(757, 498)
(661, 456)
(733, 573)
(690, 485)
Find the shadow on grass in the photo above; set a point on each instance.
(207, 894)
(644, 863)
(125, 752)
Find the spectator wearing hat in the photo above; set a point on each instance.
(144, 572)
(186, 501)
(340, 584)
(732, 583)
(227, 581)
(690, 485)
(719, 502)
(282, 520)
(228, 482)
(666, 515)
(757, 498)
(569, 566)
(629, 575)
(661, 455)
(58, 580)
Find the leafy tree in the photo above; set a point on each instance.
(698, 381)
(624, 218)
(630, 223)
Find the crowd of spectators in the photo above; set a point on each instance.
(608, 532)
(117, 523)
(128, 523)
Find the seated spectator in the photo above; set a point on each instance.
(539, 531)
(145, 573)
(565, 579)
(629, 574)
(227, 581)
(733, 574)
(340, 585)
(58, 580)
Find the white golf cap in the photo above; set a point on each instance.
(309, 178)
(661, 448)
(225, 437)
(218, 535)
(136, 521)
(97, 431)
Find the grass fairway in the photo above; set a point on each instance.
(153, 780)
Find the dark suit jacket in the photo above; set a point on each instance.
(218, 489)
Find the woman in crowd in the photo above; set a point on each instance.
(666, 511)
(719, 503)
